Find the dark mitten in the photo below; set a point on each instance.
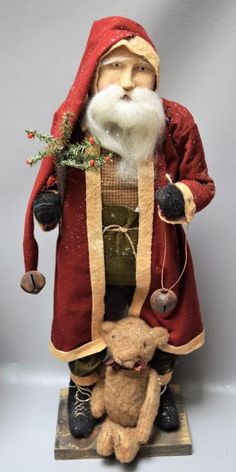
(171, 202)
(47, 209)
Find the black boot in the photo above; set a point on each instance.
(167, 418)
(81, 421)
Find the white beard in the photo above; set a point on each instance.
(131, 128)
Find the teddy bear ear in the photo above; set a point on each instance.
(160, 335)
(107, 326)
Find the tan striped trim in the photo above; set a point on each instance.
(144, 248)
(86, 380)
(89, 348)
(191, 346)
(96, 250)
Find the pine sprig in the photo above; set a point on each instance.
(86, 155)
(66, 127)
(42, 137)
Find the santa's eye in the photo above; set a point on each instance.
(145, 68)
(115, 64)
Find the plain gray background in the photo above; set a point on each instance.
(41, 46)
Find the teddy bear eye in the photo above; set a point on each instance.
(113, 336)
(144, 344)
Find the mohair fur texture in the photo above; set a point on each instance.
(130, 392)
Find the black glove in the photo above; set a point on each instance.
(171, 202)
(47, 209)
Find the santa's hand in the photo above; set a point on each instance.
(171, 202)
(47, 210)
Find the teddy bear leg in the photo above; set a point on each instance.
(125, 444)
(105, 439)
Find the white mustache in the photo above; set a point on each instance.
(129, 127)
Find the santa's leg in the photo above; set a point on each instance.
(167, 418)
(85, 373)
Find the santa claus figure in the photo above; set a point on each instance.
(118, 222)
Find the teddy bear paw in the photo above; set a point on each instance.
(104, 440)
(125, 446)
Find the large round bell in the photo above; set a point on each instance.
(32, 282)
(163, 301)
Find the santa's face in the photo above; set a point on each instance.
(124, 68)
(125, 113)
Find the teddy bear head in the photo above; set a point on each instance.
(131, 342)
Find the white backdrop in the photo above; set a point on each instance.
(41, 46)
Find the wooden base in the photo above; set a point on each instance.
(176, 443)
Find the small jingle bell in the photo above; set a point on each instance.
(32, 282)
(163, 301)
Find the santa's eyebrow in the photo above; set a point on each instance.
(111, 60)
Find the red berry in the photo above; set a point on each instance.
(30, 135)
(91, 140)
(92, 162)
(107, 158)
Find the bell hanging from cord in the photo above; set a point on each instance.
(163, 301)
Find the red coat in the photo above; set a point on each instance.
(80, 275)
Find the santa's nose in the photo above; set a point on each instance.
(127, 81)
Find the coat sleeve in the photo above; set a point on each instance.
(193, 180)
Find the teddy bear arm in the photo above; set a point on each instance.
(97, 403)
(149, 409)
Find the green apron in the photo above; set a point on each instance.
(120, 236)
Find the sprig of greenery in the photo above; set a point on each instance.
(85, 155)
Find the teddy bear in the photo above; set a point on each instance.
(129, 393)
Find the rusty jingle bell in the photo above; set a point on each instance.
(163, 301)
(32, 281)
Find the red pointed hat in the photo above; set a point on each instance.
(104, 35)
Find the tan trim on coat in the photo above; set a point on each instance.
(86, 350)
(189, 204)
(191, 346)
(99, 344)
(144, 248)
(96, 249)
(86, 380)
